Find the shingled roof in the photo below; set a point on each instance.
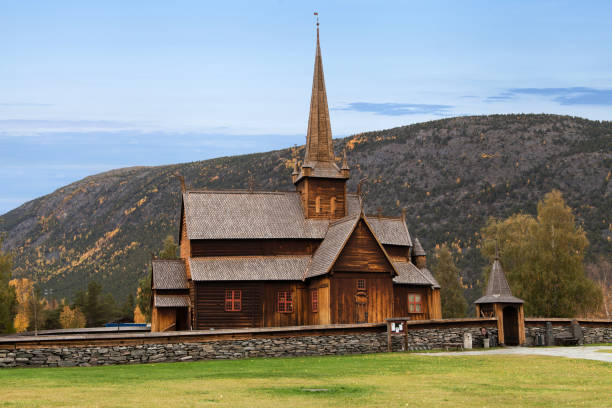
(498, 290)
(329, 250)
(248, 215)
(418, 250)
(171, 301)
(408, 273)
(230, 268)
(271, 215)
(169, 274)
(390, 231)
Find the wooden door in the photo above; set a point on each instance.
(361, 307)
(511, 335)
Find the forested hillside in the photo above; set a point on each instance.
(451, 174)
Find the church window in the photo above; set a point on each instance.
(314, 300)
(361, 284)
(415, 303)
(318, 205)
(233, 300)
(285, 302)
(333, 205)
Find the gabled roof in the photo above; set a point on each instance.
(498, 290)
(229, 268)
(171, 301)
(390, 231)
(427, 273)
(271, 215)
(334, 242)
(169, 274)
(329, 250)
(408, 273)
(248, 215)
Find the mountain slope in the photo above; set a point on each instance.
(451, 174)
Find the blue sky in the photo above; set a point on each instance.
(90, 86)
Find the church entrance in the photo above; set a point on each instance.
(511, 330)
(361, 307)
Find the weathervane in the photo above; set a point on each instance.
(317, 14)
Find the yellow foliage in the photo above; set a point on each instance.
(21, 322)
(139, 317)
(358, 139)
(129, 211)
(214, 178)
(141, 201)
(72, 318)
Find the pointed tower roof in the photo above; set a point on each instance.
(417, 249)
(319, 160)
(498, 290)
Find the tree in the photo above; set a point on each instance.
(127, 310)
(97, 307)
(8, 300)
(24, 290)
(543, 259)
(447, 275)
(144, 296)
(72, 318)
(170, 249)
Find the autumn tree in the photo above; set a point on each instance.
(8, 301)
(447, 275)
(143, 297)
(72, 318)
(170, 249)
(543, 259)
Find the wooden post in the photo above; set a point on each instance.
(389, 345)
(406, 335)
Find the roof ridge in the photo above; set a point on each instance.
(341, 220)
(241, 257)
(387, 217)
(240, 191)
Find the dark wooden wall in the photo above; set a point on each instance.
(362, 253)
(259, 304)
(311, 188)
(431, 308)
(398, 253)
(344, 297)
(210, 305)
(246, 247)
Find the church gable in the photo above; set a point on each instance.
(362, 253)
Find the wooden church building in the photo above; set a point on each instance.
(304, 257)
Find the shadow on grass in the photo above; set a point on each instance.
(318, 391)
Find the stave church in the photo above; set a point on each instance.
(304, 257)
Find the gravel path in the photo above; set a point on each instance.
(585, 352)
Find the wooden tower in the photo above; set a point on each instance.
(498, 302)
(321, 183)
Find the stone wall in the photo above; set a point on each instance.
(67, 351)
(210, 350)
(592, 333)
(426, 338)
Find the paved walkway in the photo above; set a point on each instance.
(585, 352)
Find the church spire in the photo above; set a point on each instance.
(319, 147)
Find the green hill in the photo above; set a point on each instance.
(451, 174)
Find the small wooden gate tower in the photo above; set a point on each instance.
(498, 302)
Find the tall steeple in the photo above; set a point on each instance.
(320, 182)
(319, 160)
(319, 137)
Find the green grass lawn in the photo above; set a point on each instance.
(376, 380)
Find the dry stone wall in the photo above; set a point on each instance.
(289, 344)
